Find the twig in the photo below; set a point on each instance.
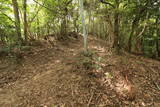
(158, 87)
(72, 91)
(90, 99)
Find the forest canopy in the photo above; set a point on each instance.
(131, 25)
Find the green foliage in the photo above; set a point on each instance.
(55, 16)
(89, 53)
(91, 61)
(149, 46)
(5, 50)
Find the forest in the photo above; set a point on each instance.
(79, 53)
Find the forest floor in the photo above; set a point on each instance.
(61, 75)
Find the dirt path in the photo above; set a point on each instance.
(55, 77)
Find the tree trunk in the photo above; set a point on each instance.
(83, 24)
(25, 20)
(17, 20)
(89, 23)
(158, 38)
(93, 26)
(157, 45)
(75, 23)
(38, 28)
(116, 28)
(141, 11)
(64, 26)
(134, 25)
(116, 32)
(2, 36)
(130, 37)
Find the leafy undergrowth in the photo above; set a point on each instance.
(63, 76)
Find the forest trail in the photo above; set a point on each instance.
(61, 76)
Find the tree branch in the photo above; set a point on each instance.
(69, 2)
(45, 6)
(107, 3)
(144, 27)
(36, 13)
(8, 17)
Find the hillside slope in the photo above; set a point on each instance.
(63, 76)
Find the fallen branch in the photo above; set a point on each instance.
(89, 102)
(158, 87)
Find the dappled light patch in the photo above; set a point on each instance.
(99, 48)
(57, 61)
(125, 89)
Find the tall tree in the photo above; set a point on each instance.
(17, 19)
(116, 26)
(141, 10)
(116, 23)
(83, 24)
(25, 19)
(158, 37)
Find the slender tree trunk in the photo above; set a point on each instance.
(75, 22)
(130, 39)
(17, 20)
(38, 28)
(158, 38)
(64, 23)
(157, 45)
(134, 25)
(89, 24)
(25, 20)
(116, 28)
(83, 25)
(93, 24)
(116, 31)
(48, 28)
(63, 26)
(2, 35)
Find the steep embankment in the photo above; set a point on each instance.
(63, 76)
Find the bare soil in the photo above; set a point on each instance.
(60, 75)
